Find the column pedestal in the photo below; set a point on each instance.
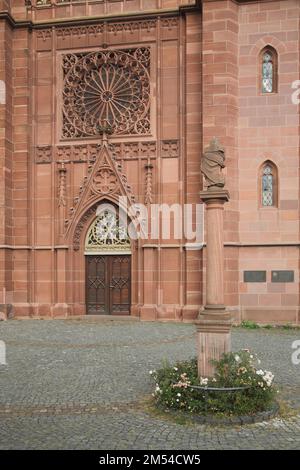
(213, 338)
(214, 322)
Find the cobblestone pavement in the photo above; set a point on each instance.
(80, 385)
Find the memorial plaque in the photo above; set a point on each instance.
(255, 276)
(282, 276)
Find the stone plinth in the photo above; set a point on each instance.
(213, 338)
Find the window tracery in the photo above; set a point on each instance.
(106, 91)
(269, 70)
(107, 233)
(269, 185)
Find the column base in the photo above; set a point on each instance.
(213, 337)
(5, 311)
(60, 310)
(164, 312)
(148, 312)
(190, 313)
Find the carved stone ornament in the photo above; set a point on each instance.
(62, 185)
(106, 90)
(148, 191)
(212, 163)
(170, 148)
(104, 178)
(88, 152)
(105, 181)
(44, 154)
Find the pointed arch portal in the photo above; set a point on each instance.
(108, 265)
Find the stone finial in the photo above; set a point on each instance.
(213, 160)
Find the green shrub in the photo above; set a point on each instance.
(251, 325)
(287, 326)
(236, 369)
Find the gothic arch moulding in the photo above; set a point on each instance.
(86, 221)
(268, 181)
(105, 181)
(268, 70)
(267, 40)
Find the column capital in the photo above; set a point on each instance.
(212, 196)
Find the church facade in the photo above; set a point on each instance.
(106, 108)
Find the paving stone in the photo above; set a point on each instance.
(78, 385)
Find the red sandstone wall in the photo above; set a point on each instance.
(56, 9)
(192, 268)
(5, 5)
(253, 128)
(6, 163)
(21, 181)
(269, 129)
(49, 277)
(220, 114)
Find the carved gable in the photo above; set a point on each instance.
(105, 179)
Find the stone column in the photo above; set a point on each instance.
(6, 165)
(214, 323)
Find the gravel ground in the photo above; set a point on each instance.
(79, 385)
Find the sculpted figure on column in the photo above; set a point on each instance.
(213, 160)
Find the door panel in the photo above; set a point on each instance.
(108, 285)
(120, 285)
(96, 282)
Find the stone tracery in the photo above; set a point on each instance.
(106, 90)
(105, 181)
(107, 232)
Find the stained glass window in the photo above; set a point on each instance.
(268, 72)
(267, 186)
(107, 233)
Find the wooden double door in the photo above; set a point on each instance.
(108, 284)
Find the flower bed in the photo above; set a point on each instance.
(239, 387)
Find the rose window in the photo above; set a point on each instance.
(106, 91)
